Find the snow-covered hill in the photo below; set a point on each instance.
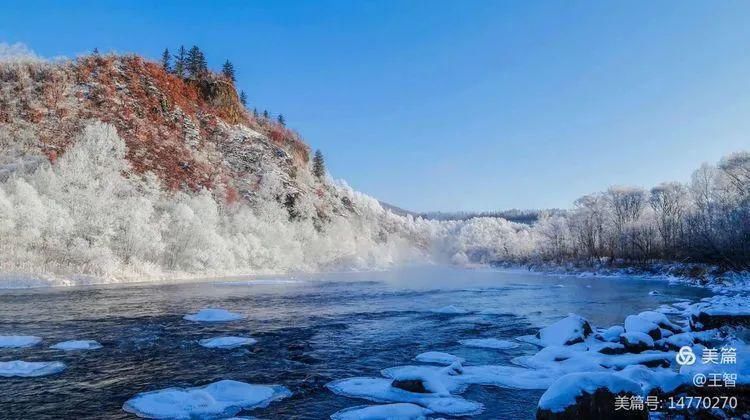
(115, 169)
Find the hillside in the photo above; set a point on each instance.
(192, 133)
(112, 167)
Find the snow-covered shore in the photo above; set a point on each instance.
(709, 277)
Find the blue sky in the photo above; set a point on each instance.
(434, 105)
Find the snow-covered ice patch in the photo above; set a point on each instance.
(400, 411)
(18, 341)
(489, 343)
(29, 369)
(380, 390)
(438, 357)
(227, 342)
(76, 345)
(218, 399)
(213, 315)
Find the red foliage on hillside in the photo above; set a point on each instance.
(172, 126)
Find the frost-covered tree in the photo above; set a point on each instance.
(319, 166)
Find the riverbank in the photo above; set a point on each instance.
(700, 275)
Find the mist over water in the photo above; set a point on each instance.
(310, 330)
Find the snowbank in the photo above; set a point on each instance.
(564, 391)
(570, 330)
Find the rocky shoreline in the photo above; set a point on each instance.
(627, 371)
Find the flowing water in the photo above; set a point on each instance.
(310, 330)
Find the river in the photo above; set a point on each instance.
(310, 330)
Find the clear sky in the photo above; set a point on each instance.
(458, 105)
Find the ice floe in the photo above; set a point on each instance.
(381, 390)
(29, 369)
(489, 343)
(18, 341)
(400, 411)
(438, 357)
(227, 342)
(77, 345)
(213, 315)
(218, 399)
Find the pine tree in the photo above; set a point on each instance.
(319, 165)
(179, 64)
(243, 98)
(228, 70)
(265, 114)
(281, 120)
(255, 112)
(96, 52)
(166, 60)
(196, 62)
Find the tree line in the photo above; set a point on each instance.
(706, 220)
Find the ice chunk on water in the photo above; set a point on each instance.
(77, 345)
(227, 342)
(380, 390)
(28, 369)
(401, 411)
(438, 357)
(218, 399)
(213, 315)
(9, 341)
(489, 343)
